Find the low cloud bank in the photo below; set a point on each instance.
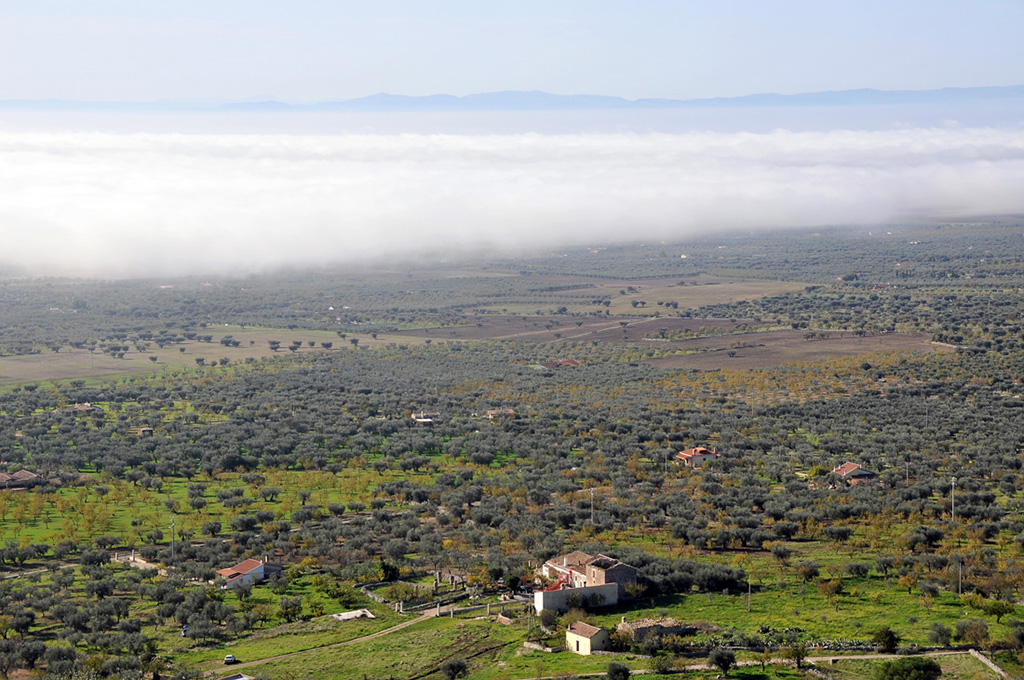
(163, 204)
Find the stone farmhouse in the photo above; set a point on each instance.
(18, 479)
(579, 575)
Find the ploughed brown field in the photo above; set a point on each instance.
(563, 327)
(719, 338)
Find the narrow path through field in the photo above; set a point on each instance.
(372, 636)
(19, 574)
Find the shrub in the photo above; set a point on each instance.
(661, 664)
(939, 634)
(808, 571)
(974, 631)
(858, 569)
(886, 639)
(618, 671)
(454, 668)
(910, 668)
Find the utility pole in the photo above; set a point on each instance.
(592, 506)
(952, 498)
(172, 538)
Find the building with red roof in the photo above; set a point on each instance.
(248, 571)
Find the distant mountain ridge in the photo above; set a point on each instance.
(540, 101)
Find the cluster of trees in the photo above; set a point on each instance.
(611, 427)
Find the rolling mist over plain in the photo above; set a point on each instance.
(126, 193)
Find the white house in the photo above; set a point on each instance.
(249, 571)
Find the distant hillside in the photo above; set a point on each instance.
(544, 101)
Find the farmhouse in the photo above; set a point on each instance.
(579, 576)
(500, 413)
(559, 567)
(854, 474)
(580, 570)
(582, 638)
(18, 479)
(603, 570)
(248, 571)
(562, 599)
(696, 457)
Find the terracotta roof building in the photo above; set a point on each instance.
(582, 638)
(696, 457)
(248, 571)
(852, 473)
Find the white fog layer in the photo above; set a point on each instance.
(107, 204)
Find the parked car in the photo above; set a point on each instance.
(230, 659)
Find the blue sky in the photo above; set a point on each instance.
(305, 50)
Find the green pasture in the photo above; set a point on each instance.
(491, 650)
(286, 638)
(801, 606)
(954, 667)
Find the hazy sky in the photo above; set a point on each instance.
(306, 50)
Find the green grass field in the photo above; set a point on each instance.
(954, 667)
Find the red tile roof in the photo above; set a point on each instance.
(846, 468)
(239, 569)
(584, 629)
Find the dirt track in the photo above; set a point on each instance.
(372, 636)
